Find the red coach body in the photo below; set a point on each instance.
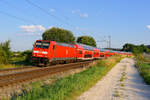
(107, 53)
(88, 52)
(84, 52)
(79, 52)
(96, 54)
(112, 53)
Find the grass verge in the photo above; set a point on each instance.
(2, 66)
(72, 86)
(144, 69)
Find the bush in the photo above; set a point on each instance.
(27, 54)
(5, 52)
(3, 57)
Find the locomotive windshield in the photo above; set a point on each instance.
(42, 44)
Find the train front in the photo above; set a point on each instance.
(40, 52)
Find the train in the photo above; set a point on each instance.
(51, 52)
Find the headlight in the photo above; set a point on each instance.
(45, 52)
(35, 51)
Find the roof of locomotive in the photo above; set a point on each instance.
(59, 43)
(86, 47)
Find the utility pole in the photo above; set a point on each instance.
(109, 41)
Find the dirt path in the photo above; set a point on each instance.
(123, 82)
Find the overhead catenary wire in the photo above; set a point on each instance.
(16, 17)
(47, 12)
(37, 6)
(16, 8)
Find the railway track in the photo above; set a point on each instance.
(15, 70)
(15, 78)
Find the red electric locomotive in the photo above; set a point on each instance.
(53, 52)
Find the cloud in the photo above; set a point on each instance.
(148, 26)
(73, 12)
(52, 10)
(78, 12)
(32, 28)
(84, 15)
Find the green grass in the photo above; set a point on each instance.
(14, 62)
(144, 69)
(2, 66)
(69, 87)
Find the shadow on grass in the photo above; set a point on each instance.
(23, 63)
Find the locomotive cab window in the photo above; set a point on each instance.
(42, 44)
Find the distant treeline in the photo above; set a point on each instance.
(114, 49)
(136, 49)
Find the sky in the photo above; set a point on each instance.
(126, 21)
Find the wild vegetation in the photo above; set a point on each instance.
(143, 65)
(72, 86)
(10, 59)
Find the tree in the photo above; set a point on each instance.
(59, 35)
(128, 47)
(3, 57)
(88, 40)
(5, 52)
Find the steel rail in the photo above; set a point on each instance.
(15, 78)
